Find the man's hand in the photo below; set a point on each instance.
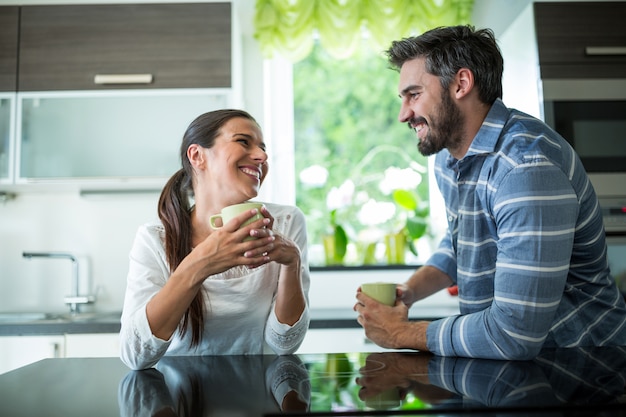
(389, 326)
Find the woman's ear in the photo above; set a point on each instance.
(195, 156)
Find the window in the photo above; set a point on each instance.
(355, 164)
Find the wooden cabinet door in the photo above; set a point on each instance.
(65, 47)
(581, 39)
(8, 47)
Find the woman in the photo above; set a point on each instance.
(195, 290)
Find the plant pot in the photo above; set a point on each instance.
(331, 255)
(367, 253)
(395, 248)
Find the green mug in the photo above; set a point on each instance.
(383, 292)
(230, 212)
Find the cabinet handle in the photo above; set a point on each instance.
(56, 350)
(122, 79)
(605, 50)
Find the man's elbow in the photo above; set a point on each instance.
(521, 350)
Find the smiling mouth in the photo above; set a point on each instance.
(419, 128)
(251, 172)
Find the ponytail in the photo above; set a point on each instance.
(175, 214)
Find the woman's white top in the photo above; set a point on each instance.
(239, 303)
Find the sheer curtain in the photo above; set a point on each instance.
(287, 27)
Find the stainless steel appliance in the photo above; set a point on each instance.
(616, 245)
(591, 115)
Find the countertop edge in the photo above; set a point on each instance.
(323, 318)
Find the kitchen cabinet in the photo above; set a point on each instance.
(105, 92)
(8, 47)
(17, 351)
(7, 117)
(581, 39)
(118, 46)
(122, 138)
(9, 16)
(96, 345)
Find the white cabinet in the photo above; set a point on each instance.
(7, 117)
(97, 345)
(112, 136)
(17, 351)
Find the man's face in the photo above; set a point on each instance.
(428, 109)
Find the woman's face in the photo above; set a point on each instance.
(237, 162)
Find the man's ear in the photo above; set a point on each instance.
(195, 156)
(464, 82)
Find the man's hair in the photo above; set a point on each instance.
(448, 49)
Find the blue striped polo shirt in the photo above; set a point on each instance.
(525, 245)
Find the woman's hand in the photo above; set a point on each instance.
(226, 247)
(284, 251)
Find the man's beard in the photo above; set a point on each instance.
(444, 130)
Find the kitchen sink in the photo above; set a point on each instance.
(36, 317)
(91, 316)
(27, 317)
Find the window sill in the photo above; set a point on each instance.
(348, 268)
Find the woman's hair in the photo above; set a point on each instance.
(175, 207)
(448, 49)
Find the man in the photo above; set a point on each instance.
(525, 242)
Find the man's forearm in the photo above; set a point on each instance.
(426, 281)
(413, 336)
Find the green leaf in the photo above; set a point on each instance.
(333, 217)
(416, 226)
(341, 242)
(406, 199)
(423, 209)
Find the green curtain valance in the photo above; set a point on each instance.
(286, 27)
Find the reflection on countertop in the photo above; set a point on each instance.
(577, 382)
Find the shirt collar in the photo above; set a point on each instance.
(487, 137)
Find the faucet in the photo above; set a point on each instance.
(74, 300)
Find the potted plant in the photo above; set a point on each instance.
(335, 241)
(414, 226)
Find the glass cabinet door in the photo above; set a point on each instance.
(115, 135)
(7, 104)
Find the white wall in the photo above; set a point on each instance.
(521, 88)
(513, 25)
(103, 227)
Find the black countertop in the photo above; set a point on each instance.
(562, 382)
